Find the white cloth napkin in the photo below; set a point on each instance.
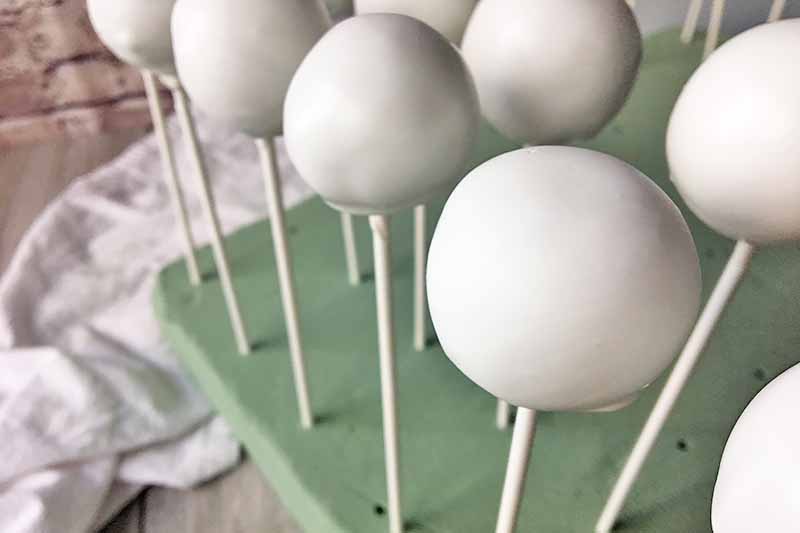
(93, 404)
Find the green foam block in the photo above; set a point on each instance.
(453, 458)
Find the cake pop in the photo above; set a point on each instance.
(236, 59)
(519, 309)
(139, 33)
(448, 17)
(734, 155)
(760, 469)
(538, 87)
(381, 116)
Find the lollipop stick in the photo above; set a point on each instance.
(690, 24)
(266, 154)
(173, 185)
(420, 251)
(776, 11)
(383, 294)
(502, 415)
(726, 286)
(350, 252)
(517, 470)
(217, 244)
(714, 25)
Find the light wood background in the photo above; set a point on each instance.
(237, 502)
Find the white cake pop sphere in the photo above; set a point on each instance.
(382, 114)
(734, 137)
(448, 17)
(561, 279)
(236, 57)
(551, 71)
(136, 31)
(758, 486)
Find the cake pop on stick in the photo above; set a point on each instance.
(139, 34)
(404, 138)
(714, 25)
(734, 157)
(519, 309)
(760, 467)
(776, 11)
(127, 30)
(523, 77)
(448, 17)
(173, 185)
(236, 58)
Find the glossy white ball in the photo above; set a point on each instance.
(448, 17)
(236, 58)
(734, 137)
(382, 115)
(758, 486)
(136, 31)
(551, 71)
(562, 279)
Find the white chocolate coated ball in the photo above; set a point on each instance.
(734, 137)
(562, 279)
(758, 485)
(382, 115)
(136, 31)
(551, 71)
(236, 58)
(448, 17)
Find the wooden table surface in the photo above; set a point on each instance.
(239, 501)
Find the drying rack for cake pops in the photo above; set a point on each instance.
(453, 460)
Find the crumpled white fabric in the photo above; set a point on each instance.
(93, 404)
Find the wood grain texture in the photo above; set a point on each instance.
(238, 502)
(30, 177)
(57, 79)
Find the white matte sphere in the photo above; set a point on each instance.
(136, 31)
(382, 115)
(758, 486)
(562, 279)
(448, 17)
(551, 71)
(734, 136)
(236, 58)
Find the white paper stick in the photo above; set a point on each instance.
(517, 470)
(726, 286)
(714, 25)
(266, 152)
(381, 245)
(690, 24)
(503, 414)
(350, 251)
(171, 177)
(206, 195)
(776, 11)
(420, 257)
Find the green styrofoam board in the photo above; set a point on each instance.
(453, 460)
